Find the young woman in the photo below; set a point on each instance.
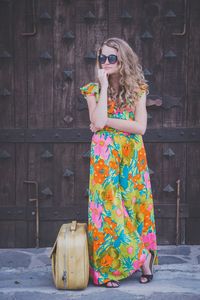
(121, 224)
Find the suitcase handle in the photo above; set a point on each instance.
(73, 226)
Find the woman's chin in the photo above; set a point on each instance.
(112, 73)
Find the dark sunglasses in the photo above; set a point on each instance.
(112, 59)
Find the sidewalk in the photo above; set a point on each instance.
(25, 274)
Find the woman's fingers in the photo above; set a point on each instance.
(93, 128)
(102, 75)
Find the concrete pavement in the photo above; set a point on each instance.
(25, 274)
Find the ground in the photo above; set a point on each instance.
(25, 274)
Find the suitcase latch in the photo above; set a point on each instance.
(64, 278)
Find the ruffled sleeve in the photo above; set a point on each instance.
(143, 88)
(91, 88)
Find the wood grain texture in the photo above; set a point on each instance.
(64, 59)
(81, 175)
(174, 68)
(43, 100)
(64, 158)
(174, 168)
(193, 62)
(89, 36)
(7, 234)
(7, 175)
(151, 22)
(41, 170)
(40, 70)
(21, 163)
(22, 24)
(6, 66)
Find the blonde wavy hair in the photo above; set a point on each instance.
(132, 80)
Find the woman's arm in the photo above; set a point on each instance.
(137, 126)
(98, 113)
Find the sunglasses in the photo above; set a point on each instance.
(112, 59)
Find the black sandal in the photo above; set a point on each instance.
(149, 277)
(112, 286)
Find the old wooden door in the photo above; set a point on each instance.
(47, 51)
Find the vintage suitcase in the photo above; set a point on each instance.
(69, 257)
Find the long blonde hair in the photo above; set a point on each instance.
(132, 79)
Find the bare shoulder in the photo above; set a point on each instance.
(141, 103)
(140, 108)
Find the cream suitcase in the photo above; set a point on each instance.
(69, 257)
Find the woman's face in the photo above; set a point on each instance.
(110, 68)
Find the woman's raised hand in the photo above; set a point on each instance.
(103, 77)
(93, 128)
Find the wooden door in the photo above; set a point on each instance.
(47, 51)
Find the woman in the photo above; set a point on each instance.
(121, 224)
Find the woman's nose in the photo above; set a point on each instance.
(106, 62)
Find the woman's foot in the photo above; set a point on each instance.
(112, 284)
(147, 269)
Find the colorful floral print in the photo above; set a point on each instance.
(121, 223)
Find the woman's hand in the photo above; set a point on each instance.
(93, 128)
(103, 77)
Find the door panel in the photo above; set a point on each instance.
(44, 135)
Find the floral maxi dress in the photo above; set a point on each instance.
(121, 223)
